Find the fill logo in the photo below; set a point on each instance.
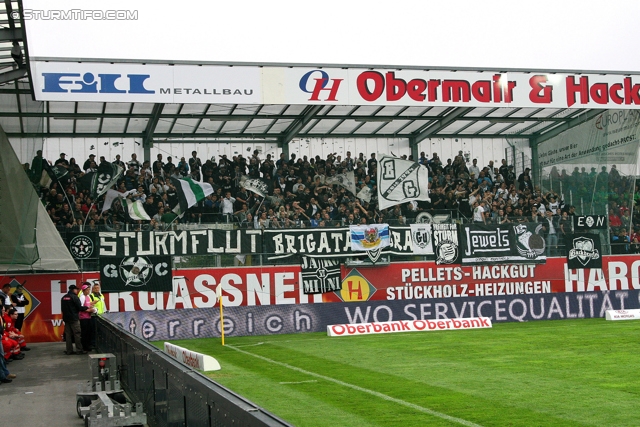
(355, 288)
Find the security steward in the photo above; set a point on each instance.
(98, 299)
(71, 306)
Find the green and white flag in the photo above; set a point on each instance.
(190, 192)
(135, 210)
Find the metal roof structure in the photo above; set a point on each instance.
(23, 117)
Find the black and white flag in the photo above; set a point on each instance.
(346, 180)
(320, 275)
(136, 273)
(400, 181)
(589, 222)
(583, 251)
(256, 185)
(446, 243)
(102, 180)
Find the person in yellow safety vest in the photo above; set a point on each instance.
(100, 307)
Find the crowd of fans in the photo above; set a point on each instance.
(298, 194)
(12, 309)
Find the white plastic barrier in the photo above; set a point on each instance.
(622, 314)
(190, 358)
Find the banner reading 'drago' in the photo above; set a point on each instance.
(509, 243)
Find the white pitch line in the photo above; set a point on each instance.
(248, 345)
(363, 390)
(299, 382)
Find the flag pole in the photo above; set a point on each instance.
(219, 295)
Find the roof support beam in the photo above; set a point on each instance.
(295, 127)
(147, 134)
(18, 73)
(441, 124)
(11, 34)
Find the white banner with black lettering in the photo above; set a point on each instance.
(422, 240)
(401, 181)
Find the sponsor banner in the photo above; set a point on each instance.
(136, 273)
(583, 251)
(608, 139)
(213, 84)
(83, 245)
(422, 239)
(268, 320)
(69, 81)
(623, 315)
(320, 275)
(328, 242)
(180, 243)
(401, 181)
(458, 88)
(491, 243)
(589, 222)
(195, 360)
(426, 325)
(271, 286)
(369, 237)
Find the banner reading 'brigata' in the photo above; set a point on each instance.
(209, 84)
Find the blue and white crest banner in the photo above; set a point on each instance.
(369, 237)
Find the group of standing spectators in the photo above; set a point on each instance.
(12, 310)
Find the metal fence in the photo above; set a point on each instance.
(172, 394)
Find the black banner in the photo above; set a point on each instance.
(589, 222)
(180, 243)
(328, 242)
(320, 275)
(83, 245)
(583, 251)
(136, 273)
(446, 243)
(508, 243)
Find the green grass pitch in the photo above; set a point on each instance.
(546, 373)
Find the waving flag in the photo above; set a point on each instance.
(190, 192)
(345, 180)
(135, 210)
(103, 179)
(256, 185)
(401, 181)
(369, 237)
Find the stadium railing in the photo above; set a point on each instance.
(173, 394)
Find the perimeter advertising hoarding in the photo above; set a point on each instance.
(267, 320)
(399, 283)
(154, 83)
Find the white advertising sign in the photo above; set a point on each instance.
(128, 82)
(408, 326)
(622, 314)
(70, 81)
(190, 358)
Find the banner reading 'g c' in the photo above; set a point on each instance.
(136, 273)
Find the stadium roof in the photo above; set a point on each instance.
(21, 116)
